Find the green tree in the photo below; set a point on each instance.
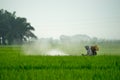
(14, 29)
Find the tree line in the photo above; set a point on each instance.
(14, 29)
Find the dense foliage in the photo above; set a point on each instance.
(14, 29)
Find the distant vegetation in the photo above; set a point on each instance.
(13, 29)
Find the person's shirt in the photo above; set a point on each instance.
(89, 52)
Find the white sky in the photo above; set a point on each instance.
(52, 18)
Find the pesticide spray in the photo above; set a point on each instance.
(42, 47)
(66, 45)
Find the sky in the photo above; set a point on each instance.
(52, 18)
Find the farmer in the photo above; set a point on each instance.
(88, 48)
(92, 50)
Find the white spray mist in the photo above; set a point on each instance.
(42, 47)
(66, 45)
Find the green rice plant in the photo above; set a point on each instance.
(16, 66)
